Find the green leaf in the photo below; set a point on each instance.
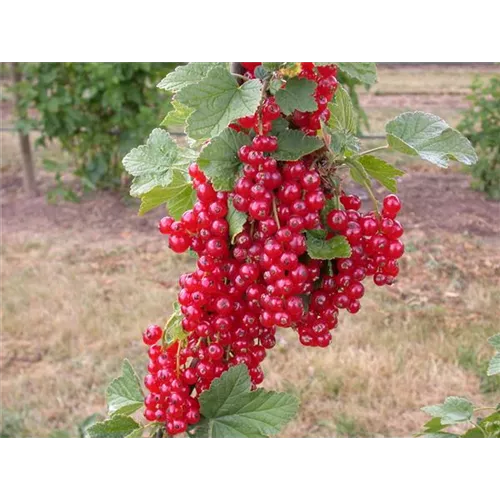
(186, 75)
(173, 329)
(342, 114)
(452, 411)
(363, 72)
(475, 433)
(118, 426)
(340, 141)
(491, 425)
(219, 159)
(297, 94)
(320, 248)
(495, 341)
(137, 433)
(381, 171)
(293, 144)
(218, 100)
(53, 166)
(272, 66)
(261, 72)
(358, 174)
(434, 425)
(280, 125)
(236, 221)
(154, 163)
(440, 435)
(274, 86)
(176, 116)
(430, 138)
(201, 429)
(179, 196)
(494, 366)
(88, 422)
(124, 394)
(231, 409)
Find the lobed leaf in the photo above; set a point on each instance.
(298, 94)
(124, 394)
(293, 144)
(342, 114)
(381, 171)
(231, 409)
(452, 411)
(186, 75)
(318, 247)
(429, 137)
(118, 426)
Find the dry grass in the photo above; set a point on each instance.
(73, 309)
(430, 79)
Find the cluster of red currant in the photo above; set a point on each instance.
(241, 292)
(375, 248)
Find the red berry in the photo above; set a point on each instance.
(337, 220)
(165, 225)
(152, 334)
(391, 204)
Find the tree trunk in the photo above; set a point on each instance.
(24, 141)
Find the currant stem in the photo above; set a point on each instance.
(372, 196)
(178, 367)
(480, 428)
(244, 78)
(275, 213)
(265, 85)
(367, 152)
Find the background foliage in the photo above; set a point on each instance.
(481, 124)
(96, 111)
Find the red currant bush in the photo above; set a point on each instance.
(260, 198)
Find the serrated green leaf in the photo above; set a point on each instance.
(293, 144)
(176, 116)
(179, 196)
(173, 330)
(381, 171)
(219, 159)
(261, 72)
(430, 138)
(137, 433)
(186, 75)
(320, 248)
(319, 233)
(494, 365)
(340, 141)
(118, 426)
(217, 101)
(495, 341)
(236, 221)
(279, 125)
(297, 95)
(231, 409)
(88, 422)
(124, 394)
(359, 175)
(200, 430)
(342, 114)
(452, 411)
(274, 85)
(154, 163)
(434, 425)
(363, 72)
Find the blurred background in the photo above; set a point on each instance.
(82, 274)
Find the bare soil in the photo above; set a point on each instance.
(441, 201)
